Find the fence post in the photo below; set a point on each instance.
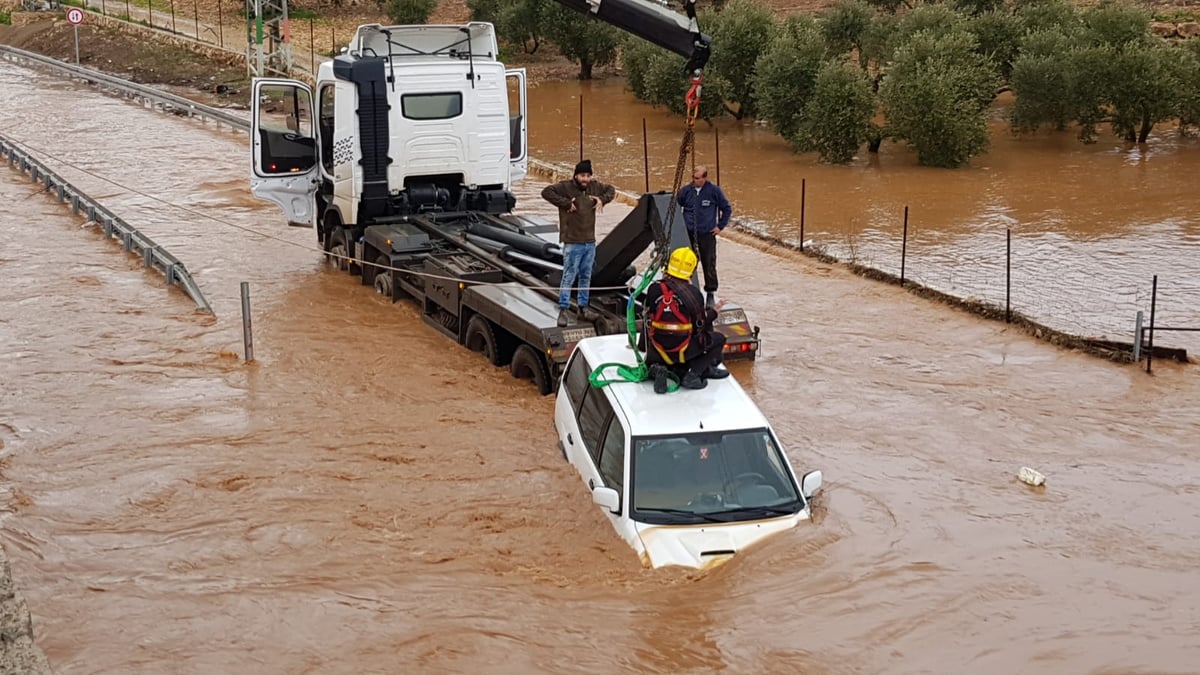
(904, 246)
(645, 154)
(1137, 337)
(196, 10)
(1008, 276)
(103, 10)
(128, 16)
(581, 126)
(172, 16)
(803, 185)
(312, 44)
(247, 336)
(1153, 302)
(150, 11)
(717, 148)
(220, 25)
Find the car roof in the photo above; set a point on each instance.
(721, 406)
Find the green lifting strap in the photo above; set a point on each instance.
(625, 372)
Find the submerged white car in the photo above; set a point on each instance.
(687, 478)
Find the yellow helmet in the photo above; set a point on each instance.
(682, 263)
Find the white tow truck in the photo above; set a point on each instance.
(402, 158)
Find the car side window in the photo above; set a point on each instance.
(593, 418)
(612, 455)
(576, 382)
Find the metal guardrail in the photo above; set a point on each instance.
(166, 101)
(134, 241)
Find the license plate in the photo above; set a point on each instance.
(577, 334)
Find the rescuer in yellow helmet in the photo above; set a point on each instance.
(679, 327)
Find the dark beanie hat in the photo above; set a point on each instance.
(583, 167)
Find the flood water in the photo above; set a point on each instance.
(369, 497)
(1091, 224)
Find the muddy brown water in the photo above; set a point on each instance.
(370, 497)
(1091, 224)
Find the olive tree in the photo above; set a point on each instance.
(1189, 95)
(580, 38)
(517, 22)
(740, 32)
(410, 11)
(786, 71)
(935, 95)
(845, 26)
(998, 34)
(657, 77)
(1042, 82)
(836, 120)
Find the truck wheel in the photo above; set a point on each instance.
(527, 364)
(481, 338)
(338, 248)
(383, 278)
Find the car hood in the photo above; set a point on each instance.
(708, 545)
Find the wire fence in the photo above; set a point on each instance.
(1095, 296)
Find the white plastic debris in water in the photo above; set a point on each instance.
(1031, 477)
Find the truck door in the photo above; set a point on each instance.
(283, 148)
(518, 125)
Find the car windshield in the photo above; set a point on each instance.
(711, 477)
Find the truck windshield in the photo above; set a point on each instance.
(711, 477)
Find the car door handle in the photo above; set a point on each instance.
(570, 440)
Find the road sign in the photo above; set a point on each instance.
(74, 16)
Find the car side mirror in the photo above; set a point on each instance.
(608, 498)
(810, 484)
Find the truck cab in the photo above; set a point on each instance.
(409, 119)
(690, 478)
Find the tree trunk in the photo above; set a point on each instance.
(1147, 125)
(585, 69)
(874, 143)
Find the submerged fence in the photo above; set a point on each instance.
(113, 226)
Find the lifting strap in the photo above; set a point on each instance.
(658, 260)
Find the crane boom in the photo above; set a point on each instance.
(654, 23)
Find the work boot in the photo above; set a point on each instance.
(693, 381)
(563, 318)
(659, 373)
(710, 299)
(715, 373)
(588, 314)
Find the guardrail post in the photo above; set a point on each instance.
(247, 336)
(1137, 338)
(904, 246)
(61, 191)
(108, 228)
(148, 253)
(127, 240)
(170, 272)
(74, 204)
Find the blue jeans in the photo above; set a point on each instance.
(577, 272)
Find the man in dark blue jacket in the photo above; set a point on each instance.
(706, 212)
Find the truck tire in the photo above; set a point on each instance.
(481, 338)
(339, 251)
(527, 364)
(383, 278)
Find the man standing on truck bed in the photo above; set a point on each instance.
(706, 212)
(578, 200)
